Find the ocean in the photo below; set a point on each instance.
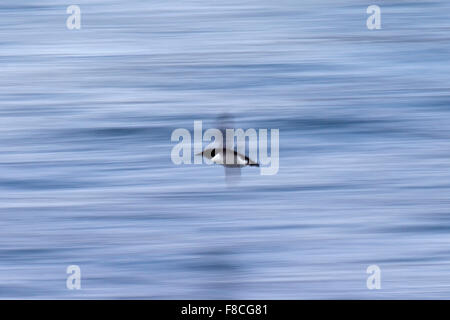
(87, 179)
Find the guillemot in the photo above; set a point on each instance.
(228, 158)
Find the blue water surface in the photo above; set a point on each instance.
(86, 177)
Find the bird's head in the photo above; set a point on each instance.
(208, 153)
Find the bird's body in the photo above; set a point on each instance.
(228, 158)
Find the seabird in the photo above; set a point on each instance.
(220, 155)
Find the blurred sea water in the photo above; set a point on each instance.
(86, 176)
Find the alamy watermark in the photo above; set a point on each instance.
(221, 151)
(74, 20)
(374, 20)
(374, 280)
(73, 281)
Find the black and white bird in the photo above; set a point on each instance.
(218, 154)
(228, 158)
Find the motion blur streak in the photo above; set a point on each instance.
(86, 175)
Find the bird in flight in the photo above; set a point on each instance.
(219, 153)
(228, 158)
